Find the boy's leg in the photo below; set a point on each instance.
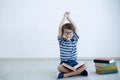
(78, 71)
(63, 69)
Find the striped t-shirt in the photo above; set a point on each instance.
(68, 49)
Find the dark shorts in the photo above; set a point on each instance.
(70, 62)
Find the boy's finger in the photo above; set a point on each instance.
(67, 12)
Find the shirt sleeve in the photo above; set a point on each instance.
(60, 38)
(76, 37)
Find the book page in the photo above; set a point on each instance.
(80, 64)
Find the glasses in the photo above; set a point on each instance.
(66, 33)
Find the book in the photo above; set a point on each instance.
(104, 65)
(75, 67)
(107, 68)
(106, 72)
(103, 60)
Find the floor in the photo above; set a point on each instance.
(45, 69)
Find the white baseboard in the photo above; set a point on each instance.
(49, 58)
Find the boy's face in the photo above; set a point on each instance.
(68, 34)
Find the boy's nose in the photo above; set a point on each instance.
(68, 34)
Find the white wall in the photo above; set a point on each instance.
(28, 28)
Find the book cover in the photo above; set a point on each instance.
(107, 72)
(103, 60)
(108, 68)
(75, 67)
(104, 65)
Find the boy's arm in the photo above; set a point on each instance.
(60, 26)
(71, 21)
(62, 22)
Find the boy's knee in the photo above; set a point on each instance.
(84, 66)
(59, 68)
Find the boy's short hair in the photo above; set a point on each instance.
(68, 26)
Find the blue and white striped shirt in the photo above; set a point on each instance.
(68, 49)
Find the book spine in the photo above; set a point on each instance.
(108, 68)
(101, 61)
(104, 65)
(107, 72)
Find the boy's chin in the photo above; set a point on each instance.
(68, 38)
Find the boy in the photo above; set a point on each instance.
(68, 39)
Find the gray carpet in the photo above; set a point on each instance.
(45, 69)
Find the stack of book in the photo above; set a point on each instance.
(105, 66)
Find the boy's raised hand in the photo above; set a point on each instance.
(66, 14)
